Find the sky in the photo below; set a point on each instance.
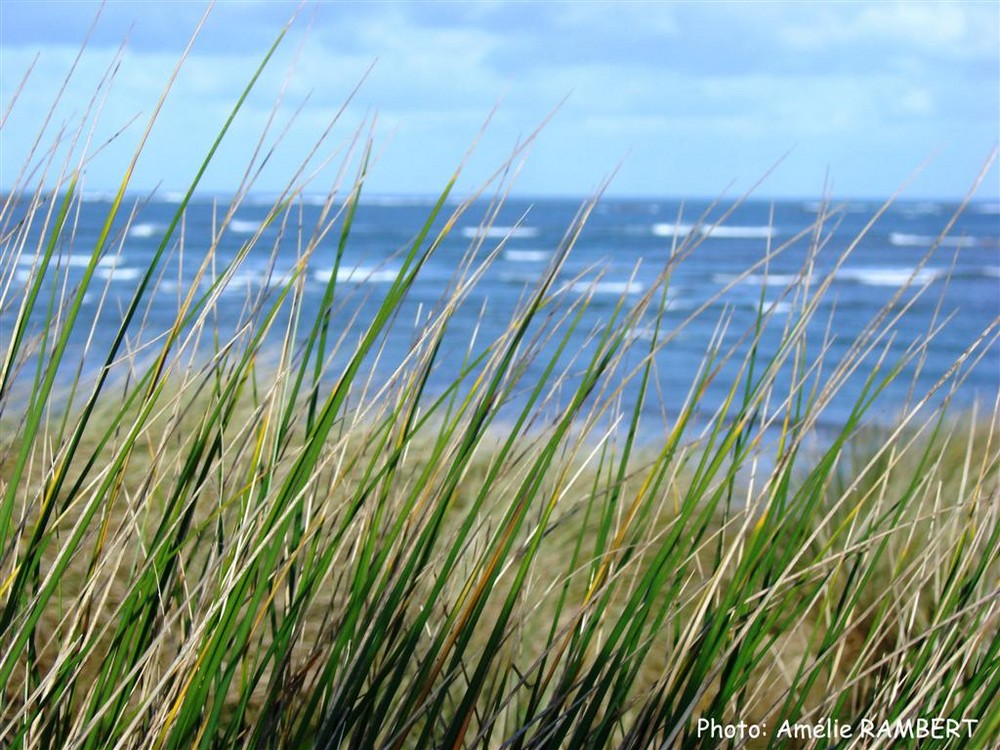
(685, 99)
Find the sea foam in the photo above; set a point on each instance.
(607, 287)
(118, 273)
(715, 232)
(73, 260)
(762, 279)
(526, 256)
(146, 230)
(902, 239)
(500, 232)
(244, 226)
(890, 276)
(357, 275)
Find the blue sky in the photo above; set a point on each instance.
(685, 99)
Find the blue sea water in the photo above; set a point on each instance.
(719, 282)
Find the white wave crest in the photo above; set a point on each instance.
(392, 201)
(762, 279)
(313, 199)
(526, 256)
(925, 208)
(73, 260)
(714, 232)
(244, 226)
(241, 280)
(145, 230)
(671, 230)
(890, 276)
(118, 274)
(738, 233)
(82, 261)
(607, 287)
(500, 232)
(357, 275)
(901, 239)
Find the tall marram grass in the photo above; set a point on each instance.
(234, 533)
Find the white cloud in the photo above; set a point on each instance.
(916, 101)
(939, 25)
(660, 75)
(950, 29)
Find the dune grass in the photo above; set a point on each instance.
(233, 533)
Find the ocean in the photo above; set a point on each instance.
(727, 266)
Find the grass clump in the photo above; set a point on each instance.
(252, 530)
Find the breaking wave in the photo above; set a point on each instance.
(357, 275)
(244, 226)
(890, 276)
(715, 232)
(901, 239)
(500, 232)
(145, 230)
(526, 256)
